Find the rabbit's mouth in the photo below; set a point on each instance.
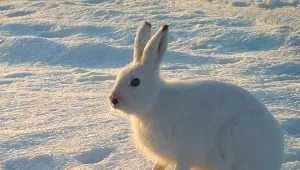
(114, 101)
(115, 105)
(118, 104)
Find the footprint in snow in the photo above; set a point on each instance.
(288, 68)
(235, 23)
(108, 12)
(292, 126)
(79, 70)
(68, 3)
(39, 4)
(292, 155)
(6, 7)
(94, 1)
(96, 78)
(293, 40)
(240, 4)
(36, 162)
(26, 29)
(20, 13)
(240, 41)
(94, 156)
(203, 46)
(88, 30)
(1, 41)
(3, 82)
(18, 75)
(172, 67)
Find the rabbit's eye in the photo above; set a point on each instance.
(135, 82)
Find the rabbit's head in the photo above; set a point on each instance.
(138, 84)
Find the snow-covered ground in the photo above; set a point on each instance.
(59, 59)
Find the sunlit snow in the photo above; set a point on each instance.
(59, 61)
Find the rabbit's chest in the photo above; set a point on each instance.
(162, 140)
(169, 139)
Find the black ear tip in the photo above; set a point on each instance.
(165, 27)
(147, 23)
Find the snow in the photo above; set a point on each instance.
(59, 59)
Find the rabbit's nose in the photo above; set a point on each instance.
(114, 100)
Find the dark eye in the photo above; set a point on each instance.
(135, 82)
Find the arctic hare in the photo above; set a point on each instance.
(206, 125)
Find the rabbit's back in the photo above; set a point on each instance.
(188, 119)
(217, 100)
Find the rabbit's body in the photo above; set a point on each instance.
(206, 125)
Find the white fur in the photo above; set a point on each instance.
(209, 125)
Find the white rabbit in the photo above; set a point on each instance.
(206, 125)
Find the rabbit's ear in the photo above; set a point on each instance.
(142, 37)
(156, 48)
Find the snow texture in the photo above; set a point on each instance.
(59, 61)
